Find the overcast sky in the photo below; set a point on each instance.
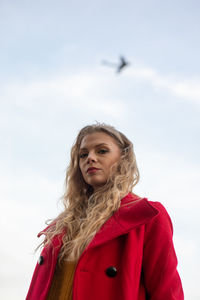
(53, 82)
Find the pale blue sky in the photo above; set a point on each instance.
(46, 36)
(52, 83)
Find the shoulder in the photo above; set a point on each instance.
(160, 227)
(159, 206)
(163, 216)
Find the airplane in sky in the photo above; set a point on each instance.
(120, 66)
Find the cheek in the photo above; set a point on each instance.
(108, 167)
(114, 162)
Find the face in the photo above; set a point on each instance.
(98, 152)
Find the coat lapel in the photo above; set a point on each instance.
(134, 211)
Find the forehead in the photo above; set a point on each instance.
(96, 138)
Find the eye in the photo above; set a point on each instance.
(102, 151)
(83, 155)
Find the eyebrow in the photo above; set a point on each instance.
(98, 145)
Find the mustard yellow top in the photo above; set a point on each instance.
(62, 284)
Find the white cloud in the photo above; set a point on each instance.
(170, 178)
(188, 89)
(82, 92)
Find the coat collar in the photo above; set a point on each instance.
(134, 211)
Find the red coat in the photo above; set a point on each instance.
(132, 257)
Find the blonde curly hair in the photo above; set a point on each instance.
(85, 211)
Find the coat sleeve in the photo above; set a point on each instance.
(161, 278)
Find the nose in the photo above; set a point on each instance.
(91, 157)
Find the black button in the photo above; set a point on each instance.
(111, 271)
(40, 260)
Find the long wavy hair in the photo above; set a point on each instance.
(85, 211)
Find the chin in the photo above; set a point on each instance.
(94, 182)
(97, 185)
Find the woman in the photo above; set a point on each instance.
(108, 243)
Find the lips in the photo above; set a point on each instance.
(92, 169)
